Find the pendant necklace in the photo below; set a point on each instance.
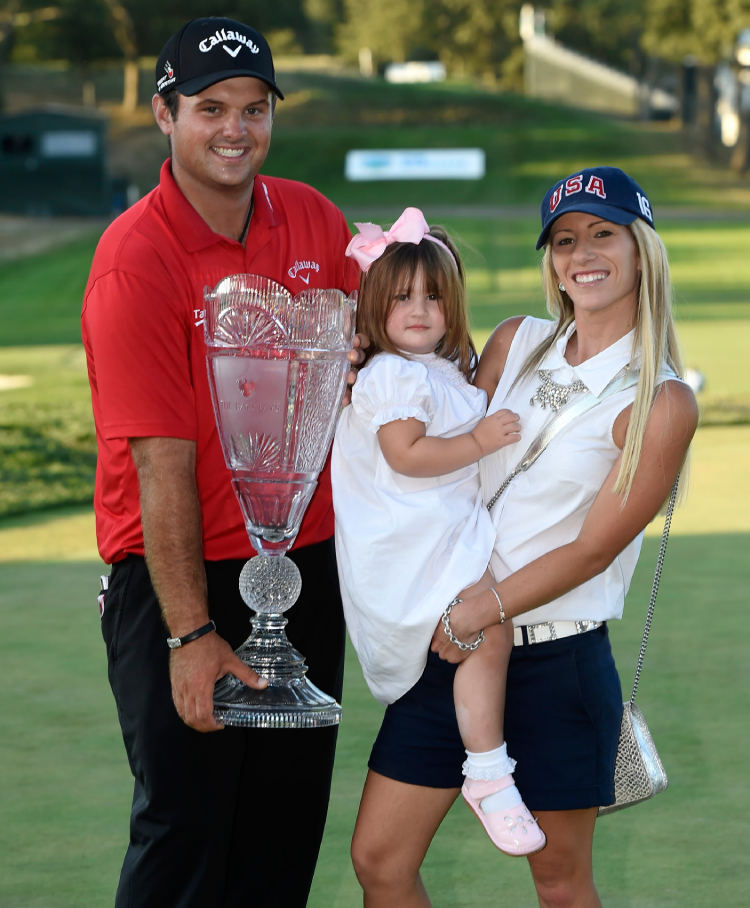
(552, 393)
(246, 228)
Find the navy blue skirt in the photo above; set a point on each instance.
(562, 723)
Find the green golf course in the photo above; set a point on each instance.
(65, 787)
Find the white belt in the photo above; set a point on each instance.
(553, 630)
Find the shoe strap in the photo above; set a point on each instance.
(479, 788)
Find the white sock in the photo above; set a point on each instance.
(506, 799)
(490, 765)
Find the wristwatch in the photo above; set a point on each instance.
(176, 642)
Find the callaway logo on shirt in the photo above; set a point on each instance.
(294, 271)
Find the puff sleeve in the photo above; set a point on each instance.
(390, 388)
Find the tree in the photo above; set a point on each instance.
(704, 29)
(607, 30)
(391, 29)
(476, 37)
(123, 31)
(471, 37)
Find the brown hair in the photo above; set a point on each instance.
(394, 273)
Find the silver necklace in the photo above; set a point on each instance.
(552, 393)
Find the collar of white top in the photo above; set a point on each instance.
(425, 358)
(595, 373)
(441, 367)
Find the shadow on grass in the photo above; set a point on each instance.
(39, 470)
(66, 789)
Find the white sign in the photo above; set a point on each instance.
(405, 73)
(416, 164)
(68, 144)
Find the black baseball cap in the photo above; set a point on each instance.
(604, 191)
(209, 50)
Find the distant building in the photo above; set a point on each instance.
(555, 73)
(53, 162)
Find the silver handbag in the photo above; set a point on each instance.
(639, 773)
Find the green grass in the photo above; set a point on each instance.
(41, 296)
(47, 442)
(65, 788)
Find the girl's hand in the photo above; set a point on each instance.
(496, 431)
(355, 356)
(464, 626)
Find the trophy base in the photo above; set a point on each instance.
(293, 703)
(270, 585)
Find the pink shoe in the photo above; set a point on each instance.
(513, 831)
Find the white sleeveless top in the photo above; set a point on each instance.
(545, 507)
(405, 546)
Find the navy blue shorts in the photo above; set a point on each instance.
(562, 723)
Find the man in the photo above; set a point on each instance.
(236, 817)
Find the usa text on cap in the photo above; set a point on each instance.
(607, 192)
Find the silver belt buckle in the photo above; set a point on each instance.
(582, 627)
(541, 633)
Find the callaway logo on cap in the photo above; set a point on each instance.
(604, 191)
(206, 51)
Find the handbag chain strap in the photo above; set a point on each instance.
(655, 586)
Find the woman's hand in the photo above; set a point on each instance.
(466, 623)
(355, 356)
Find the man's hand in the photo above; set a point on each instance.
(496, 431)
(195, 668)
(355, 356)
(170, 509)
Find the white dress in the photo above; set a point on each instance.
(405, 546)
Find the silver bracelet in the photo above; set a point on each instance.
(499, 604)
(452, 637)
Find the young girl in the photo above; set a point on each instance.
(412, 532)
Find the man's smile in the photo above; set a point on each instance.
(228, 152)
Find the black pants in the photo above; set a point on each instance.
(232, 818)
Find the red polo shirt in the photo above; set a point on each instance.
(143, 333)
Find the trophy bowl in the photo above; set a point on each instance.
(277, 367)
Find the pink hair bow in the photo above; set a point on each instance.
(371, 242)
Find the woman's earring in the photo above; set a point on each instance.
(562, 288)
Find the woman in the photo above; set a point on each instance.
(569, 533)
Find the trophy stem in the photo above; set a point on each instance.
(268, 651)
(270, 584)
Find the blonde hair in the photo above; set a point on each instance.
(655, 337)
(394, 273)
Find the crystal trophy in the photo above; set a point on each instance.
(277, 367)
